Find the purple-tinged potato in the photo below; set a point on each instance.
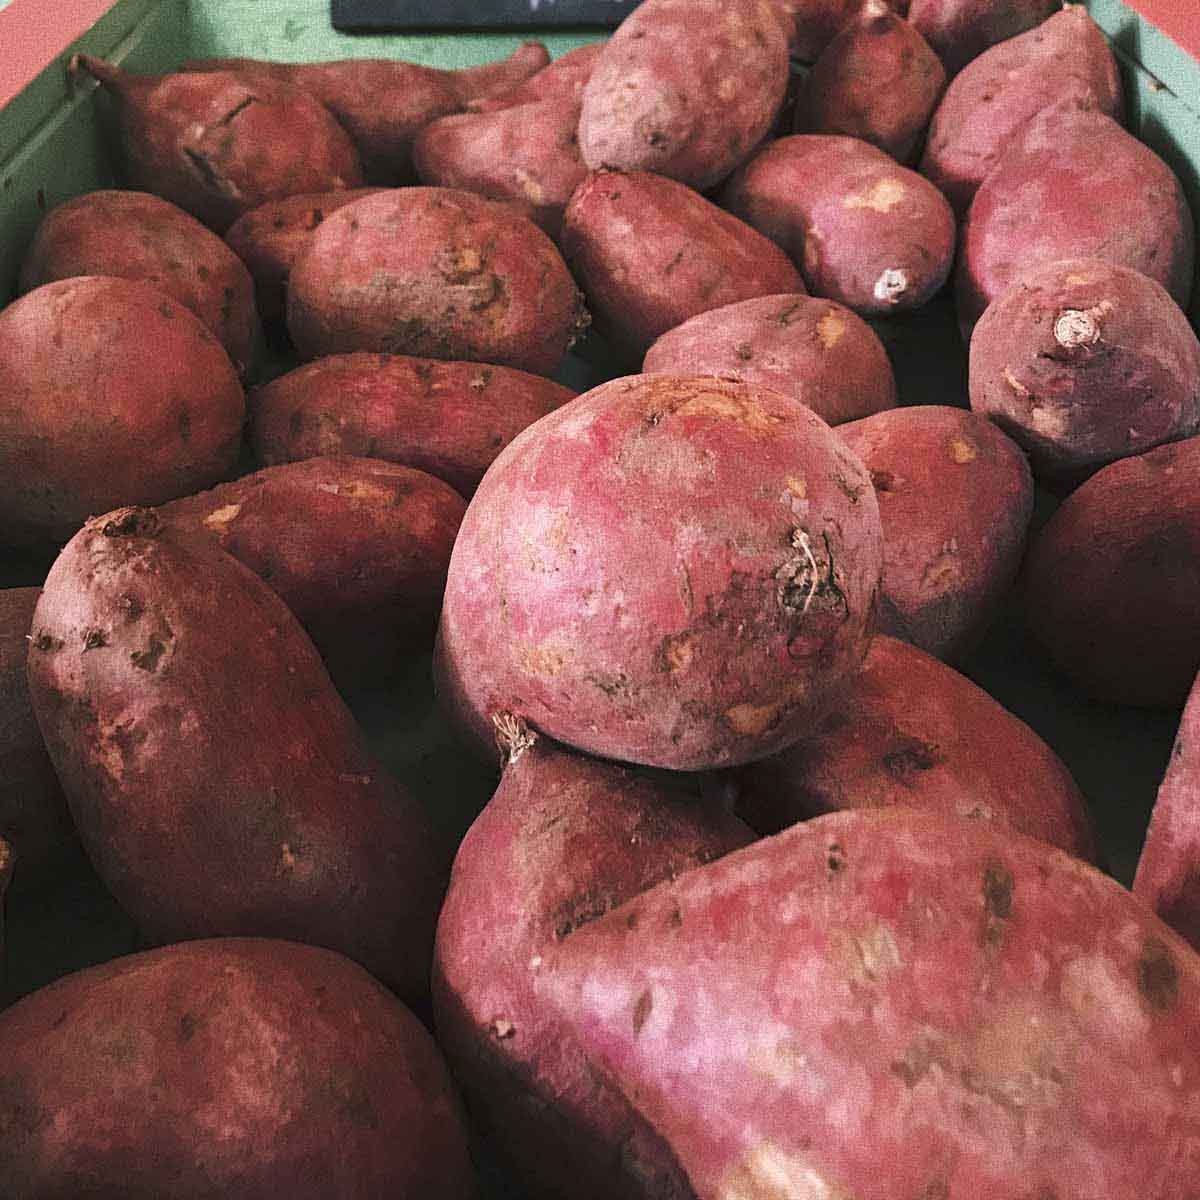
(817, 351)
(219, 784)
(914, 733)
(961, 30)
(219, 144)
(1083, 362)
(812, 24)
(110, 393)
(888, 1003)
(650, 253)
(1074, 184)
(135, 235)
(564, 840)
(955, 498)
(865, 231)
(437, 273)
(563, 80)
(357, 548)
(686, 89)
(677, 572)
(233, 1067)
(450, 419)
(878, 80)
(1112, 583)
(1066, 60)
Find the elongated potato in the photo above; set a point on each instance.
(564, 80)
(219, 784)
(959, 30)
(889, 1003)
(450, 419)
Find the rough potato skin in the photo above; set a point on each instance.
(960, 30)
(1083, 362)
(233, 1067)
(866, 231)
(817, 351)
(219, 144)
(673, 572)
(564, 80)
(1128, 540)
(437, 273)
(914, 733)
(269, 239)
(218, 782)
(357, 548)
(896, 1004)
(1066, 60)
(686, 89)
(650, 253)
(955, 498)
(110, 393)
(564, 840)
(135, 235)
(813, 24)
(1043, 197)
(878, 80)
(450, 419)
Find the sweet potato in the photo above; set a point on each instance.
(812, 24)
(110, 393)
(564, 839)
(1074, 184)
(564, 80)
(6, 870)
(450, 419)
(895, 1004)
(356, 548)
(667, 571)
(135, 235)
(878, 80)
(233, 1067)
(1064, 61)
(912, 732)
(1128, 541)
(960, 30)
(686, 89)
(1083, 362)
(650, 253)
(218, 144)
(218, 782)
(814, 350)
(437, 273)
(867, 232)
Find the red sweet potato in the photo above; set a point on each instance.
(1083, 362)
(668, 571)
(218, 783)
(650, 253)
(959, 30)
(438, 273)
(894, 1004)
(564, 839)
(135, 235)
(110, 393)
(564, 80)
(233, 1067)
(815, 350)
(450, 419)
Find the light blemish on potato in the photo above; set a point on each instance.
(287, 859)
(221, 517)
(781, 1060)
(882, 196)
(830, 329)
(812, 253)
(1097, 989)
(873, 953)
(727, 89)
(1050, 422)
(797, 487)
(359, 489)
(753, 719)
(891, 286)
(679, 652)
(1015, 384)
(945, 570)
(1075, 328)
(531, 189)
(962, 451)
(745, 411)
(544, 660)
(769, 1173)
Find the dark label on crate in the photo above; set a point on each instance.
(365, 15)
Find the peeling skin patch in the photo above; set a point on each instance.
(872, 953)
(221, 517)
(1049, 422)
(881, 197)
(543, 660)
(678, 652)
(753, 719)
(1015, 384)
(769, 1173)
(830, 329)
(962, 451)
(797, 487)
(745, 411)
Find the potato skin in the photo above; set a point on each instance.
(166, 421)
(686, 89)
(450, 419)
(978, 1011)
(813, 24)
(667, 571)
(357, 548)
(218, 782)
(817, 351)
(1083, 362)
(135, 235)
(437, 273)
(564, 80)
(564, 839)
(913, 732)
(960, 30)
(1128, 540)
(235, 1067)
(686, 258)
(866, 231)
(1066, 60)
(1043, 197)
